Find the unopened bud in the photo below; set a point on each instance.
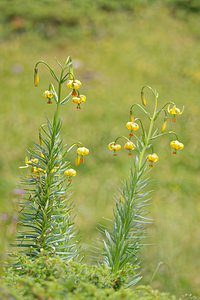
(142, 98)
(131, 116)
(77, 160)
(36, 77)
(71, 73)
(164, 125)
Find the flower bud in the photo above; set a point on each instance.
(77, 160)
(36, 77)
(164, 125)
(131, 116)
(71, 77)
(142, 98)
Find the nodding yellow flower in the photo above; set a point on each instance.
(129, 146)
(74, 84)
(79, 99)
(70, 173)
(82, 151)
(48, 95)
(174, 111)
(32, 163)
(152, 158)
(36, 77)
(176, 145)
(164, 125)
(143, 98)
(132, 126)
(115, 147)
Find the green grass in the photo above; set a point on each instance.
(51, 278)
(124, 52)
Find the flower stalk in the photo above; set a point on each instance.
(46, 222)
(123, 242)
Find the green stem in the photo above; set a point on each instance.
(50, 69)
(138, 105)
(161, 134)
(149, 133)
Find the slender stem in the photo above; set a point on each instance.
(149, 133)
(162, 109)
(50, 69)
(161, 134)
(143, 132)
(138, 105)
(122, 137)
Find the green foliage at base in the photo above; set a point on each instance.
(51, 278)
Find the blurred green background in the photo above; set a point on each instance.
(117, 47)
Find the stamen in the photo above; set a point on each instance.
(174, 119)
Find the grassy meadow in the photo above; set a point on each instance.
(114, 57)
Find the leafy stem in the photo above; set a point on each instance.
(150, 129)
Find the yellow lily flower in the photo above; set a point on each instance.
(79, 99)
(80, 152)
(152, 158)
(132, 127)
(70, 173)
(48, 95)
(129, 146)
(74, 84)
(176, 145)
(174, 111)
(115, 147)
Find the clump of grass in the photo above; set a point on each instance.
(50, 277)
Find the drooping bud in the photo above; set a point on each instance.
(77, 160)
(71, 73)
(164, 125)
(36, 77)
(143, 98)
(131, 116)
